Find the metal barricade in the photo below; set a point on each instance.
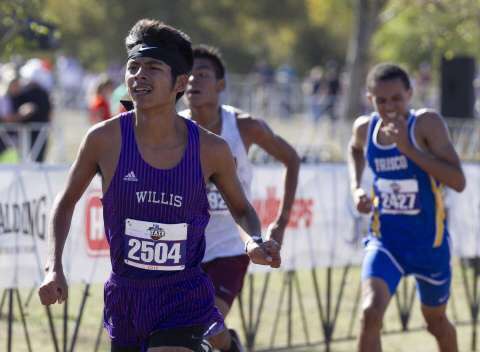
(27, 139)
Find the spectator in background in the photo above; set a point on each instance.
(31, 105)
(38, 71)
(263, 78)
(5, 103)
(99, 105)
(332, 81)
(70, 76)
(314, 89)
(286, 77)
(9, 84)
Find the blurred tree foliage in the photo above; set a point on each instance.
(302, 32)
(22, 29)
(417, 31)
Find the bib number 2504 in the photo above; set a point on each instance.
(155, 246)
(149, 252)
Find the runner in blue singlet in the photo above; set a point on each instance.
(412, 159)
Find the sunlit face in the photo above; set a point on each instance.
(203, 87)
(390, 98)
(149, 82)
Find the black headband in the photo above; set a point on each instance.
(170, 56)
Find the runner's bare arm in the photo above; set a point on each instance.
(80, 175)
(356, 163)
(258, 132)
(54, 287)
(441, 161)
(223, 174)
(219, 166)
(355, 156)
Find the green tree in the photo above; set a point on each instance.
(305, 33)
(427, 30)
(22, 29)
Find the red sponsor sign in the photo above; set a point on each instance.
(300, 215)
(97, 244)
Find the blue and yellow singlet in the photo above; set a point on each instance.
(408, 202)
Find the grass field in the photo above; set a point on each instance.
(418, 341)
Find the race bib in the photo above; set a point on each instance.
(215, 200)
(398, 197)
(155, 246)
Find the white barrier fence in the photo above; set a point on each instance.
(324, 229)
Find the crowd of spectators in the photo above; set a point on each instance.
(29, 90)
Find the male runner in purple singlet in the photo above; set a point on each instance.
(154, 166)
